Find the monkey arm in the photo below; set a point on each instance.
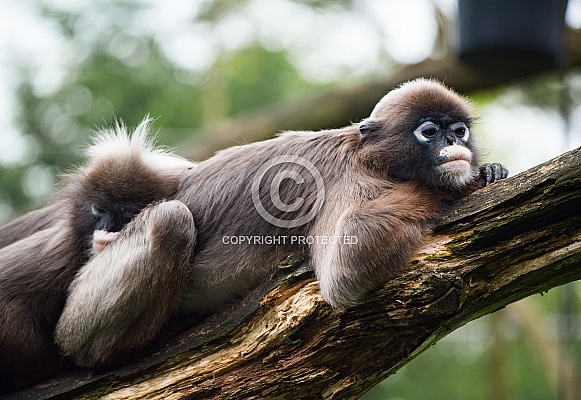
(120, 299)
(384, 234)
(27, 285)
(31, 223)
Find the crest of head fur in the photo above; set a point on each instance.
(118, 143)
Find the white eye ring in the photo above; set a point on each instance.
(421, 131)
(461, 125)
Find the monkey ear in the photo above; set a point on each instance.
(368, 126)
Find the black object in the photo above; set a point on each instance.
(512, 34)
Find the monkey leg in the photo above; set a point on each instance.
(374, 242)
(120, 300)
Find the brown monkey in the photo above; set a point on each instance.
(357, 201)
(42, 251)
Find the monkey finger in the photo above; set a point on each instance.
(504, 172)
(486, 173)
(498, 172)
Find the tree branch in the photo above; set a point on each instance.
(336, 108)
(519, 237)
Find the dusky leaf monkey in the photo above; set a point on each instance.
(41, 252)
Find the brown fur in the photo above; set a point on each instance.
(381, 186)
(42, 251)
(34, 275)
(123, 328)
(30, 223)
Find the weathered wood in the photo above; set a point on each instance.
(516, 238)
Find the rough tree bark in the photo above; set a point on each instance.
(516, 238)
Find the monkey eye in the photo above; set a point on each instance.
(461, 130)
(429, 131)
(426, 131)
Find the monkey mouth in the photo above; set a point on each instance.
(457, 166)
(455, 159)
(102, 239)
(455, 163)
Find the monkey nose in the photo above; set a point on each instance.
(451, 139)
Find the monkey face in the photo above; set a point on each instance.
(109, 196)
(421, 131)
(99, 217)
(446, 142)
(108, 223)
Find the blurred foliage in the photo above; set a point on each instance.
(125, 77)
(467, 374)
(256, 77)
(212, 10)
(461, 365)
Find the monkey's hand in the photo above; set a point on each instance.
(486, 175)
(490, 173)
(120, 299)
